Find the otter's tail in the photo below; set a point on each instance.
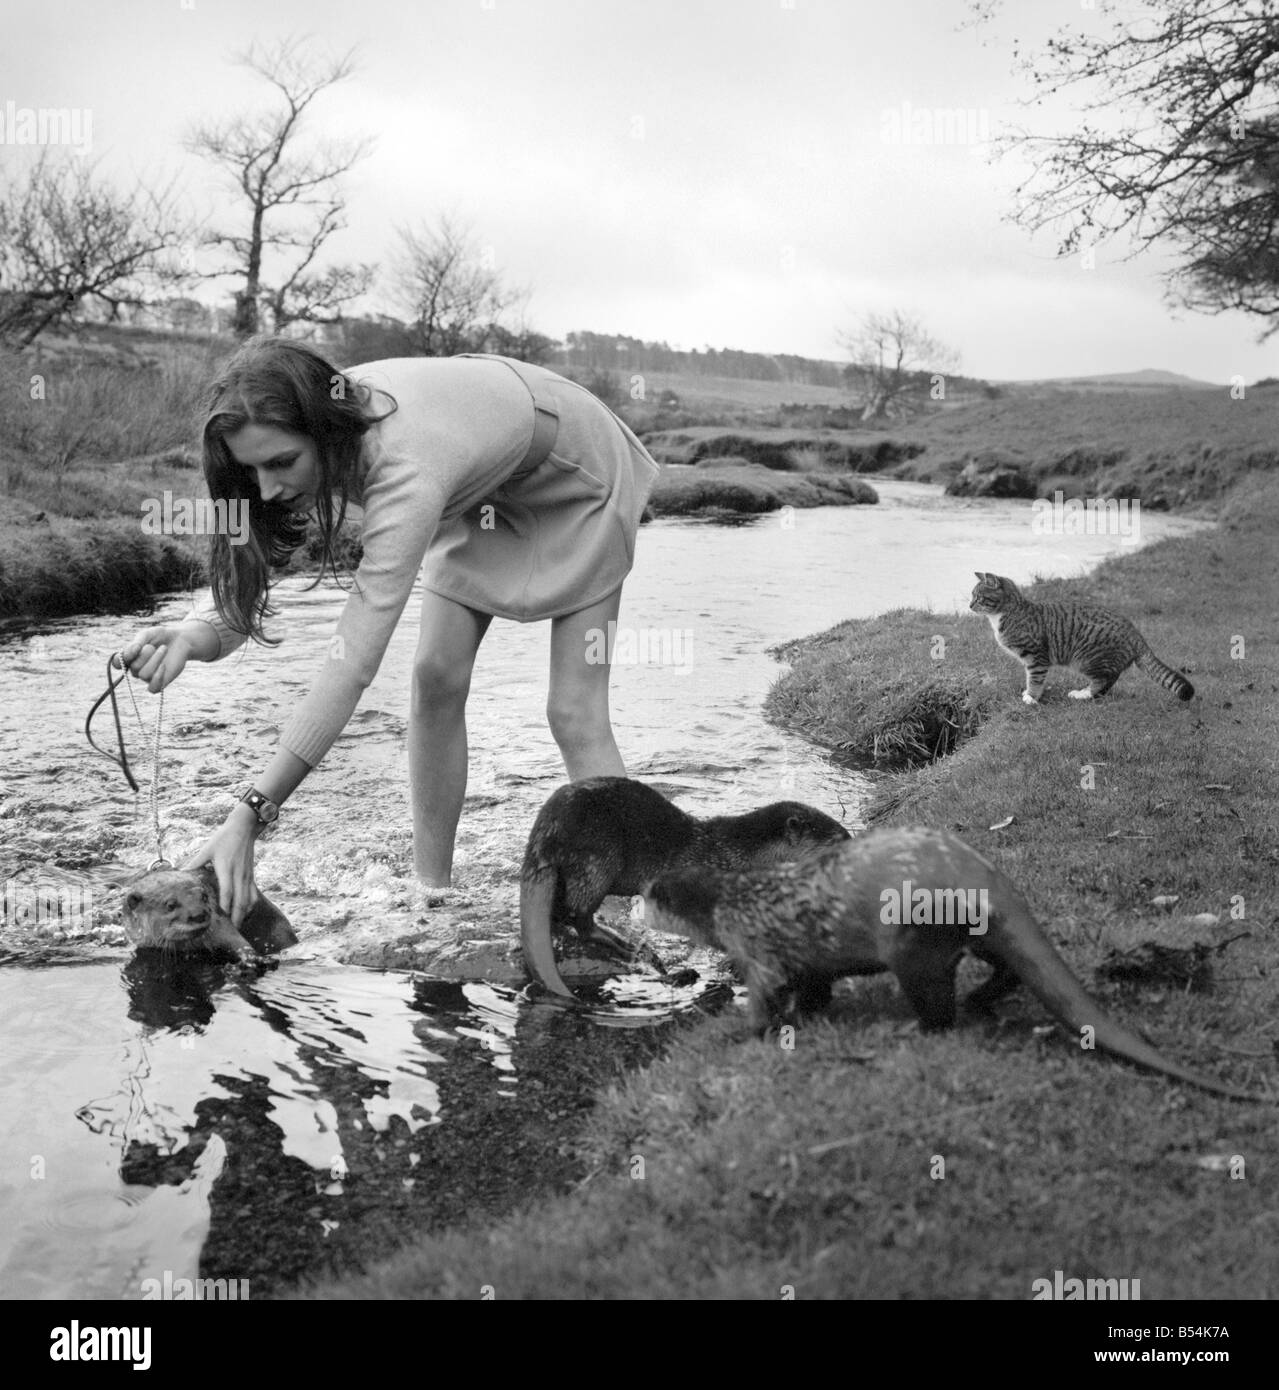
(1019, 942)
(1165, 675)
(537, 900)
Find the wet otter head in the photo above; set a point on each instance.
(778, 833)
(177, 910)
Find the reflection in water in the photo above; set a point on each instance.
(227, 1124)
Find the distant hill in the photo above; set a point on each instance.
(1148, 379)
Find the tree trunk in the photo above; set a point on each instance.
(244, 322)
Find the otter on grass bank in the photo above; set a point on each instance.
(910, 900)
(177, 910)
(613, 835)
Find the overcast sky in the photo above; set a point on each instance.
(700, 171)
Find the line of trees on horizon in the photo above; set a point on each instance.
(367, 337)
(596, 352)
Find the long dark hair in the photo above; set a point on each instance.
(280, 382)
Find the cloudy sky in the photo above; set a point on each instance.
(714, 172)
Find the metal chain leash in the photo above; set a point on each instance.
(155, 766)
(115, 662)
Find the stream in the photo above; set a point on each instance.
(255, 1125)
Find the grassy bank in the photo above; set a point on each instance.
(1170, 449)
(893, 691)
(786, 450)
(735, 487)
(818, 1167)
(83, 549)
(90, 427)
(87, 431)
(72, 541)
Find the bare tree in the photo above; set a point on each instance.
(317, 296)
(1178, 147)
(1236, 262)
(892, 357)
(258, 153)
(67, 239)
(455, 300)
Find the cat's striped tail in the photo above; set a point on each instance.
(1165, 675)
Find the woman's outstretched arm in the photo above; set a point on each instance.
(230, 848)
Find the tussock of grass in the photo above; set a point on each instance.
(58, 567)
(746, 488)
(71, 540)
(924, 723)
(84, 550)
(772, 453)
(102, 407)
(852, 451)
(875, 691)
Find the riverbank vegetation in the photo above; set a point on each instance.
(1171, 448)
(91, 426)
(871, 1161)
(734, 488)
(1168, 448)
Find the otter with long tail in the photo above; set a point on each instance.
(614, 835)
(910, 900)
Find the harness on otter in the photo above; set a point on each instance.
(116, 661)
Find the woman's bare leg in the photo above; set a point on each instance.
(450, 636)
(577, 705)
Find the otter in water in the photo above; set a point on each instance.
(907, 899)
(613, 835)
(177, 910)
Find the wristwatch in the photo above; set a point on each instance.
(262, 807)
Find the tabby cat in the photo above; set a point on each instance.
(1093, 640)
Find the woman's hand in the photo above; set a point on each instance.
(158, 655)
(230, 850)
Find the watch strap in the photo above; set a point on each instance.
(262, 806)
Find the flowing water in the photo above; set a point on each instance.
(254, 1125)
